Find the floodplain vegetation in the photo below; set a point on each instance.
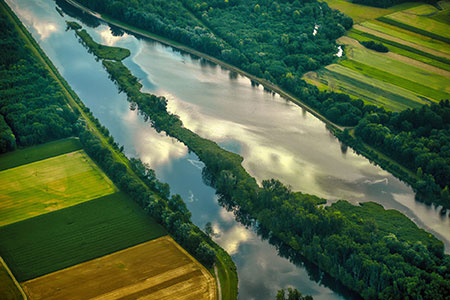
(61, 208)
(158, 269)
(358, 249)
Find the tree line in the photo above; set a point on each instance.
(378, 253)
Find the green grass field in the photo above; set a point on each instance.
(35, 153)
(79, 233)
(50, 184)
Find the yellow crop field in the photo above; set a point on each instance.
(158, 269)
(50, 184)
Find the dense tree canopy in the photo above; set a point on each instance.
(32, 106)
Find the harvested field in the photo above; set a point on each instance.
(159, 269)
(35, 153)
(76, 234)
(50, 184)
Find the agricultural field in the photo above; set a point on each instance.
(75, 234)
(50, 184)
(415, 71)
(9, 289)
(159, 269)
(35, 153)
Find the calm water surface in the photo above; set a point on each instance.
(276, 138)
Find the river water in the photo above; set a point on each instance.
(276, 138)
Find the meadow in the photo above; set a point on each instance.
(50, 184)
(69, 236)
(159, 269)
(35, 153)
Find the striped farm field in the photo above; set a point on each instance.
(50, 184)
(417, 20)
(159, 269)
(75, 234)
(360, 86)
(385, 68)
(392, 32)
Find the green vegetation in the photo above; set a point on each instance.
(405, 35)
(437, 30)
(392, 70)
(292, 294)
(7, 138)
(407, 81)
(373, 91)
(386, 3)
(69, 236)
(31, 101)
(35, 153)
(102, 51)
(405, 50)
(50, 184)
(354, 250)
(9, 288)
(379, 47)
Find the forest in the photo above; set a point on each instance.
(378, 253)
(32, 107)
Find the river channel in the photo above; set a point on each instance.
(277, 139)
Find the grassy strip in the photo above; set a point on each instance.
(396, 80)
(414, 29)
(430, 59)
(69, 236)
(400, 46)
(9, 287)
(35, 153)
(102, 51)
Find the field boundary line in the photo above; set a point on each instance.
(16, 283)
(219, 288)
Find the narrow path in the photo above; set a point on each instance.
(268, 85)
(219, 288)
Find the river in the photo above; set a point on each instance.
(276, 138)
